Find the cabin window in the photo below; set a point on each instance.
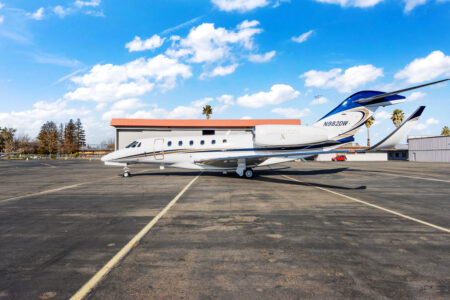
(169, 143)
(132, 144)
(138, 145)
(213, 142)
(202, 142)
(224, 141)
(180, 143)
(191, 143)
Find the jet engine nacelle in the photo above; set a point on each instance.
(284, 135)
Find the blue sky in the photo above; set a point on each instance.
(99, 59)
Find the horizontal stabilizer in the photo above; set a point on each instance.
(381, 96)
(399, 134)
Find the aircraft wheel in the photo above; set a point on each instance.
(248, 173)
(126, 174)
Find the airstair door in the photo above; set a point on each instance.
(158, 149)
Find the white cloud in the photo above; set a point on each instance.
(258, 58)
(226, 99)
(432, 121)
(429, 122)
(205, 43)
(427, 68)
(38, 15)
(92, 3)
(354, 3)
(382, 115)
(100, 106)
(61, 11)
(292, 112)
(2, 5)
(302, 37)
(30, 121)
(220, 71)
(149, 44)
(239, 5)
(2, 18)
(246, 118)
(411, 4)
(45, 58)
(415, 96)
(319, 100)
(114, 82)
(128, 104)
(278, 93)
(344, 82)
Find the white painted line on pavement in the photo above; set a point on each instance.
(59, 189)
(373, 205)
(94, 281)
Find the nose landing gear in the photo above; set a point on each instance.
(126, 172)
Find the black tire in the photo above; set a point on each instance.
(248, 173)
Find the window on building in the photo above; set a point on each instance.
(208, 132)
(213, 142)
(202, 142)
(191, 143)
(180, 143)
(169, 143)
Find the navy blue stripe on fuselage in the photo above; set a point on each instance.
(289, 148)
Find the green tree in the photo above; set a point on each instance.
(48, 138)
(445, 131)
(397, 117)
(207, 110)
(80, 135)
(70, 142)
(369, 123)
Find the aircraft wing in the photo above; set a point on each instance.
(370, 99)
(253, 160)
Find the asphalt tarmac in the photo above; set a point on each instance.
(299, 230)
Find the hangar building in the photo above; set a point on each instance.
(128, 130)
(429, 148)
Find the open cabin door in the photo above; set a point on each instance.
(158, 149)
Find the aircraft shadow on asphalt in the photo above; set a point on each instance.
(311, 184)
(260, 175)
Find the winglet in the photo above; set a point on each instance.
(397, 135)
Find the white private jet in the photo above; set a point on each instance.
(267, 144)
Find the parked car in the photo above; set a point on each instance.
(339, 158)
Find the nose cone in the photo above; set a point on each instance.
(106, 157)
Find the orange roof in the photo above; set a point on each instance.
(198, 123)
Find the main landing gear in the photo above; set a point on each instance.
(126, 172)
(248, 173)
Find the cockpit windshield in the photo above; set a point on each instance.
(132, 145)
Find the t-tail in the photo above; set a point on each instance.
(344, 121)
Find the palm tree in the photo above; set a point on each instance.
(207, 110)
(369, 123)
(445, 131)
(397, 117)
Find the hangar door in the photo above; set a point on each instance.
(158, 149)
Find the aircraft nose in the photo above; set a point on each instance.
(106, 157)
